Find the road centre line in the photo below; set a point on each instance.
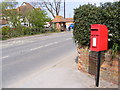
(44, 46)
(48, 45)
(68, 39)
(4, 57)
(36, 48)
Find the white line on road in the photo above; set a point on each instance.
(51, 44)
(48, 45)
(68, 39)
(36, 48)
(4, 57)
(44, 46)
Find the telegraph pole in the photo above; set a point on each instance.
(64, 8)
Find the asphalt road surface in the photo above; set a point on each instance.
(21, 57)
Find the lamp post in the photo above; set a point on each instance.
(64, 8)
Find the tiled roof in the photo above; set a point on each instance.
(25, 8)
(69, 20)
(28, 4)
(58, 19)
(62, 19)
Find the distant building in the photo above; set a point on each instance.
(59, 23)
(69, 21)
(23, 9)
(3, 20)
(62, 23)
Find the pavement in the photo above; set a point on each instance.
(44, 61)
(61, 74)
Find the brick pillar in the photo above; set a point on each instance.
(87, 62)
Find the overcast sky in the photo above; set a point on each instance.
(72, 4)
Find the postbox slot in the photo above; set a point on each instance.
(94, 29)
(94, 35)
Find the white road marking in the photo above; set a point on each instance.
(56, 42)
(4, 57)
(68, 39)
(43, 46)
(48, 45)
(51, 44)
(36, 48)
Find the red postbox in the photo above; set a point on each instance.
(99, 37)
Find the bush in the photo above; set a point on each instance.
(6, 32)
(106, 14)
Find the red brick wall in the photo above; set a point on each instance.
(87, 62)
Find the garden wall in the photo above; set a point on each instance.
(87, 62)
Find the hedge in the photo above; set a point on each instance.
(8, 32)
(107, 14)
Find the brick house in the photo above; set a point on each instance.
(3, 20)
(24, 9)
(68, 22)
(62, 23)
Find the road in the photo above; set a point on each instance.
(24, 56)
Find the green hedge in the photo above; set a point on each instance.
(8, 32)
(107, 14)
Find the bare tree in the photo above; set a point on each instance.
(53, 6)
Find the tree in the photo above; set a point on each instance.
(54, 7)
(37, 18)
(7, 4)
(13, 17)
(8, 10)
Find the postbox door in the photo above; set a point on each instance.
(94, 43)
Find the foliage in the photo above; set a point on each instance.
(7, 4)
(14, 17)
(8, 32)
(8, 11)
(37, 18)
(5, 31)
(107, 14)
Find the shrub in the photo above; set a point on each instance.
(6, 32)
(106, 14)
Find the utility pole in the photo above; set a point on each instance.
(64, 8)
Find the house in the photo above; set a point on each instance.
(59, 23)
(69, 21)
(62, 23)
(24, 8)
(3, 20)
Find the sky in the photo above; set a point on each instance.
(71, 5)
